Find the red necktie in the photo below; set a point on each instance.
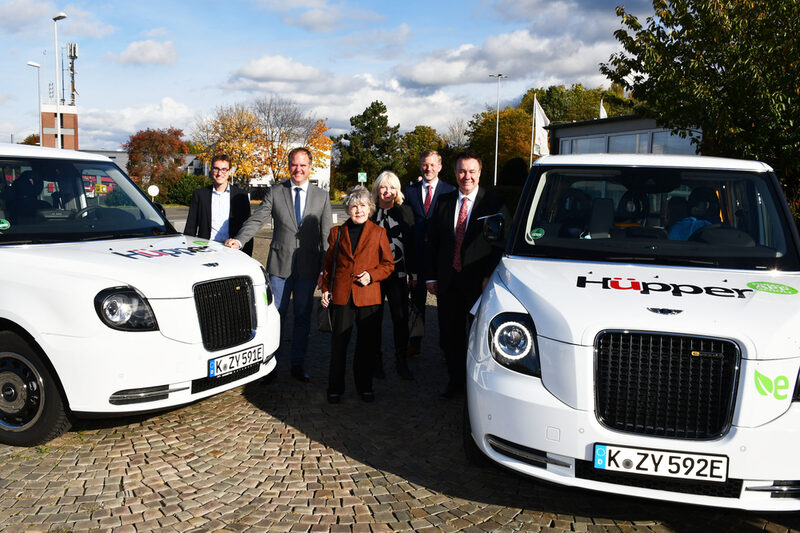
(428, 199)
(461, 230)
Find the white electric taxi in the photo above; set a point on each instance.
(105, 308)
(641, 334)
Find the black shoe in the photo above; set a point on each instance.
(403, 371)
(300, 374)
(367, 397)
(334, 398)
(452, 391)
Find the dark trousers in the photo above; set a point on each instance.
(418, 295)
(366, 319)
(395, 290)
(454, 304)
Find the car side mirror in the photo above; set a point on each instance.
(494, 228)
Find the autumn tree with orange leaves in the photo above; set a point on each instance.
(155, 156)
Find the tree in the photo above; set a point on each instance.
(32, 139)
(514, 139)
(155, 156)
(729, 67)
(412, 145)
(577, 103)
(316, 140)
(457, 138)
(233, 130)
(372, 146)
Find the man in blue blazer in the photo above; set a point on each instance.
(217, 212)
(422, 197)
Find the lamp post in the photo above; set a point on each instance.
(60, 16)
(38, 68)
(497, 124)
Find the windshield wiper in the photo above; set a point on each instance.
(111, 236)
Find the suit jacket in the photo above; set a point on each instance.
(293, 249)
(372, 254)
(198, 221)
(402, 213)
(479, 257)
(414, 199)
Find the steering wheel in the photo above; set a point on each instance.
(84, 213)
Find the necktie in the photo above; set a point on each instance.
(297, 204)
(428, 199)
(461, 230)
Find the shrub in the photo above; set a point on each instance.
(181, 192)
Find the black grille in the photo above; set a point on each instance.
(665, 385)
(204, 384)
(732, 488)
(225, 308)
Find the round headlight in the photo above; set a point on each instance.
(513, 340)
(124, 308)
(117, 308)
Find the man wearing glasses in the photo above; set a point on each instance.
(217, 212)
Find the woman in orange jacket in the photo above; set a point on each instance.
(363, 260)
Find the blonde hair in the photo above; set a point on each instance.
(394, 183)
(359, 194)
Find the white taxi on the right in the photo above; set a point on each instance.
(642, 333)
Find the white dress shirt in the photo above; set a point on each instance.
(220, 214)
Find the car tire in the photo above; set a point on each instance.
(474, 455)
(32, 409)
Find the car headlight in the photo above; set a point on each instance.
(512, 341)
(125, 309)
(270, 296)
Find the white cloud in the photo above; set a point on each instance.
(18, 16)
(320, 16)
(35, 17)
(155, 32)
(384, 43)
(267, 69)
(147, 52)
(83, 24)
(5, 97)
(108, 128)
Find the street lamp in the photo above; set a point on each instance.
(38, 68)
(497, 125)
(60, 16)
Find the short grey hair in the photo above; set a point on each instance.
(393, 181)
(359, 195)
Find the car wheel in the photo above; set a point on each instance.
(473, 454)
(31, 406)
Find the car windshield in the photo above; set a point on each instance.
(60, 200)
(669, 216)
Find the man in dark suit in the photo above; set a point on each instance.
(218, 211)
(422, 197)
(461, 261)
(301, 216)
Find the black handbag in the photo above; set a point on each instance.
(325, 314)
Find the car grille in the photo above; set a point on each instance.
(732, 488)
(665, 385)
(226, 310)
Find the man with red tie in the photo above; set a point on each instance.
(461, 261)
(422, 197)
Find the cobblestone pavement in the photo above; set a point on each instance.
(278, 457)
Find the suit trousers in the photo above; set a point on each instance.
(301, 292)
(366, 320)
(395, 290)
(455, 320)
(419, 295)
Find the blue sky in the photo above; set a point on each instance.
(155, 64)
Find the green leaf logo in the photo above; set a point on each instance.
(763, 384)
(200, 243)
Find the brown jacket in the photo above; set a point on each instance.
(372, 254)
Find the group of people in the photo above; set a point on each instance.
(396, 244)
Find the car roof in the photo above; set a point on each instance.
(652, 160)
(23, 150)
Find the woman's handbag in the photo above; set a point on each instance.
(325, 314)
(416, 323)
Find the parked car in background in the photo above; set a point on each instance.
(105, 308)
(642, 333)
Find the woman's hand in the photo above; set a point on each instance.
(326, 299)
(364, 279)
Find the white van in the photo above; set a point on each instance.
(105, 308)
(641, 334)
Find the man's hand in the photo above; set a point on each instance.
(363, 279)
(433, 287)
(326, 299)
(233, 243)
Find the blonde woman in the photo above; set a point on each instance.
(398, 221)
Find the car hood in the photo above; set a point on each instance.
(160, 267)
(572, 301)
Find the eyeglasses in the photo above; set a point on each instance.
(217, 169)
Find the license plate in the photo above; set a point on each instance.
(234, 361)
(663, 463)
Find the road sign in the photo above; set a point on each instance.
(362, 177)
